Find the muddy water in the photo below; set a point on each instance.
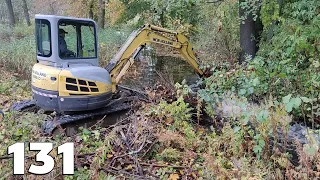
(146, 71)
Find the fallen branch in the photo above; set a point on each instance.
(163, 165)
(148, 150)
(97, 122)
(11, 156)
(160, 165)
(116, 171)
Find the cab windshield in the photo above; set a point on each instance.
(77, 40)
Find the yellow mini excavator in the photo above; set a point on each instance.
(67, 78)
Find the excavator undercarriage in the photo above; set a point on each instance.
(125, 99)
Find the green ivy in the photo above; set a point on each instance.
(270, 11)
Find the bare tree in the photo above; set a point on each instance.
(91, 10)
(10, 12)
(26, 12)
(102, 13)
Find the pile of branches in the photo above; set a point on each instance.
(130, 144)
(130, 140)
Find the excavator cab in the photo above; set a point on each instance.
(66, 41)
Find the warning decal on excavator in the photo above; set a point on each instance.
(44, 94)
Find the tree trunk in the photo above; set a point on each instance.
(102, 13)
(26, 12)
(249, 35)
(10, 12)
(52, 9)
(162, 21)
(91, 12)
(247, 32)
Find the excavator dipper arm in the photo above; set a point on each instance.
(138, 39)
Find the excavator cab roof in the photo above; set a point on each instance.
(76, 46)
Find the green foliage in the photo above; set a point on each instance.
(170, 155)
(110, 39)
(178, 116)
(169, 14)
(163, 173)
(166, 12)
(178, 110)
(133, 9)
(304, 11)
(291, 102)
(81, 173)
(251, 7)
(270, 11)
(17, 48)
(289, 63)
(218, 34)
(237, 81)
(259, 145)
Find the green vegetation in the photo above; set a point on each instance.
(239, 126)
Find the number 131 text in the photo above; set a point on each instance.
(67, 151)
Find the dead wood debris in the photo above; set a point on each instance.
(132, 139)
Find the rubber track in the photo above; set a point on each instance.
(50, 125)
(20, 106)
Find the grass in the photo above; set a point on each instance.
(17, 50)
(12, 88)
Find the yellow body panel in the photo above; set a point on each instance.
(63, 91)
(45, 77)
(54, 79)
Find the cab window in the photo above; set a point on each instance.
(88, 42)
(43, 38)
(77, 40)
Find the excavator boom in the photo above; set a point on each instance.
(138, 39)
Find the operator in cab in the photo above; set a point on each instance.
(64, 51)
